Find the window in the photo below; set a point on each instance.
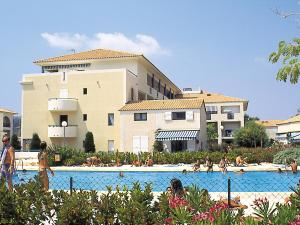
(228, 133)
(232, 109)
(84, 117)
(132, 94)
(149, 80)
(111, 145)
(140, 117)
(63, 118)
(156, 85)
(230, 116)
(211, 109)
(177, 146)
(208, 116)
(178, 115)
(6, 121)
(111, 119)
(85, 91)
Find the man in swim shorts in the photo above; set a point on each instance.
(7, 161)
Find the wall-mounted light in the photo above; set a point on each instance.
(98, 83)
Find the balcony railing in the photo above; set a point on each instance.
(55, 131)
(62, 104)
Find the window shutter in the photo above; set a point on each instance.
(144, 143)
(189, 115)
(136, 144)
(168, 116)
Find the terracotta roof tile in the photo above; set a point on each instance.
(291, 120)
(269, 123)
(164, 104)
(210, 97)
(87, 55)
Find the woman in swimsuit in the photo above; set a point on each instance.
(43, 166)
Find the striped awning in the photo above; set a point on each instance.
(174, 135)
(295, 137)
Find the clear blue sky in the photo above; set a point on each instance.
(219, 46)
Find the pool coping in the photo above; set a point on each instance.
(264, 167)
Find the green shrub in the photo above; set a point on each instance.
(72, 156)
(286, 156)
(28, 204)
(15, 143)
(89, 144)
(35, 142)
(158, 146)
(251, 135)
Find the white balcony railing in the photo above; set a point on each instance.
(60, 132)
(62, 104)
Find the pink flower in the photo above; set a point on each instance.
(177, 202)
(260, 201)
(296, 222)
(168, 221)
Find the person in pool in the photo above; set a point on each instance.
(43, 166)
(241, 171)
(7, 161)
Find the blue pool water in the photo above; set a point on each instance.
(213, 182)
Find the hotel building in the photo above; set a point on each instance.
(86, 90)
(227, 113)
(123, 99)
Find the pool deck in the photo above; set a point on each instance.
(164, 168)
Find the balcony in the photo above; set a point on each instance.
(55, 131)
(62, 104)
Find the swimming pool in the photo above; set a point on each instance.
(213, 182)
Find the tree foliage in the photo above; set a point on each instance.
(35, 142)
(212, 133)
(15, 143)
(158, 146)
(289, 54)
(89, 144)
(248, 118)
(252, 135)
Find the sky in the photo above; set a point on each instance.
(218, 46)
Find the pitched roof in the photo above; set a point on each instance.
(88, 55)
(7, 111)
(268, 123)
(210, 97)
(291, 120)
(164, 104)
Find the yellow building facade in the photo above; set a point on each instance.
(86, 90)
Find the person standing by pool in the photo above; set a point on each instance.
(43, 166)
(209, 164)
(7, 161)
(294, 166)
(196, 167)
(222, 165)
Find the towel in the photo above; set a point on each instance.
(3, 154)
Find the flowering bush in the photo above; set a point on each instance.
(28, 204)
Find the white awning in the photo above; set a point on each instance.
(175, 135)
